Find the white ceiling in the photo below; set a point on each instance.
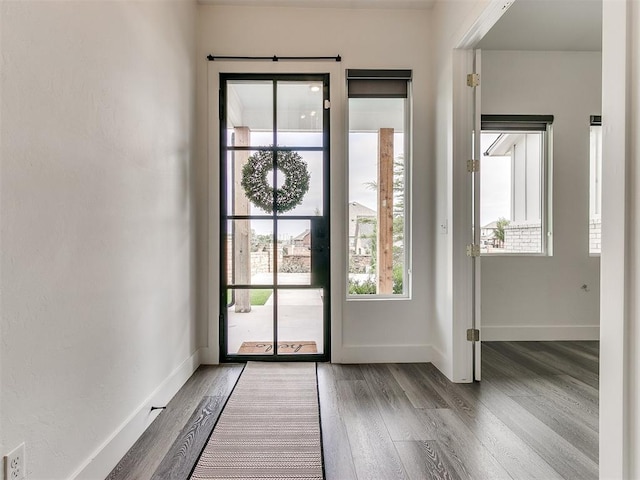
(566, 25)
(327, 3)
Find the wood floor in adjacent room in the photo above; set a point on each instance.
(534, 415)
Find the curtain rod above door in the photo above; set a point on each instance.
(275, 58)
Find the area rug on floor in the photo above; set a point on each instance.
(270, 427)
(283, 347)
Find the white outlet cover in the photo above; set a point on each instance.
(14, 464)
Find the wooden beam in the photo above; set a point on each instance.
(242, 237)
(385, 211)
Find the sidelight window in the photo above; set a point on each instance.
(379, 165)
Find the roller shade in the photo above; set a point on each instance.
(378, 83)
(504, 123)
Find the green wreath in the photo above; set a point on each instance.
(258, 190)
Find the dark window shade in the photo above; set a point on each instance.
(513, 123)
(378, 83)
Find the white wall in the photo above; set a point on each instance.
(364, 330)
(540, 298)
(98, 102)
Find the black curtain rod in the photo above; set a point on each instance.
(275, 58)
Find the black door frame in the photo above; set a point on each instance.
(320, 225)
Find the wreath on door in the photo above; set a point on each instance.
(296, 184)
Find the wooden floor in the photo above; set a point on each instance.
(534, 415)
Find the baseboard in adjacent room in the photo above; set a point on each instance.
(107, 456)
(534, 333)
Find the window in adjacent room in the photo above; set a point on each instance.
(514, 190)
(595, 185)
(379, 164)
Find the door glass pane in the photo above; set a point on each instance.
(249, 182)
(300, 110)
(294, 252)
(300, 321)
(250, 252)
(249, 113)
(299, 179)
(250, 321)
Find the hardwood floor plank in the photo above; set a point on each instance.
(183, 454)
(524, 357)
(374, 454)
(563, 457)
(424, 460)
(513, 453)
(226, 378)
(562, 396)
(569, 427)
(144, 457)
(338, 459)
(401, 419)
(347, 372)
(420, 395)
(434, 379)
(461, 447)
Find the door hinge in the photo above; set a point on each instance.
(473, 335)
(473, 250)
(473, 166)
(327, 104)
(473, 80)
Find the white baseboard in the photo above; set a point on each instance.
(209, 356)
(441, 362)
(385, 353)
(107, 456)
(540, 333)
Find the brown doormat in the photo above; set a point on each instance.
(283, 347)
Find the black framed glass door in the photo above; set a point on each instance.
(274, 249)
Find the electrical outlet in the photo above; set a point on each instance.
(14, 464)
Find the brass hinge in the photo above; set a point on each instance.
(473, 166)
(473, 80)
(473, 335)
(473, 250)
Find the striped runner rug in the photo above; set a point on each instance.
(270, 427)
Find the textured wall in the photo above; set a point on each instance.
(97, 227)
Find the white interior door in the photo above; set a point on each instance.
(476, 226)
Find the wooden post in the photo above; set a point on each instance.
(242, 238)
(385, 211)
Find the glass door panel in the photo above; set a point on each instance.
(274, 217)
(250, 252)
(299, 171)
(300, 321)
(300, 114)
(250, 321)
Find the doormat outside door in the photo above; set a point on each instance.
(269, 429)
(283, 347)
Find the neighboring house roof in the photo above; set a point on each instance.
(492, 225)
(356, 212)
(302, 235)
